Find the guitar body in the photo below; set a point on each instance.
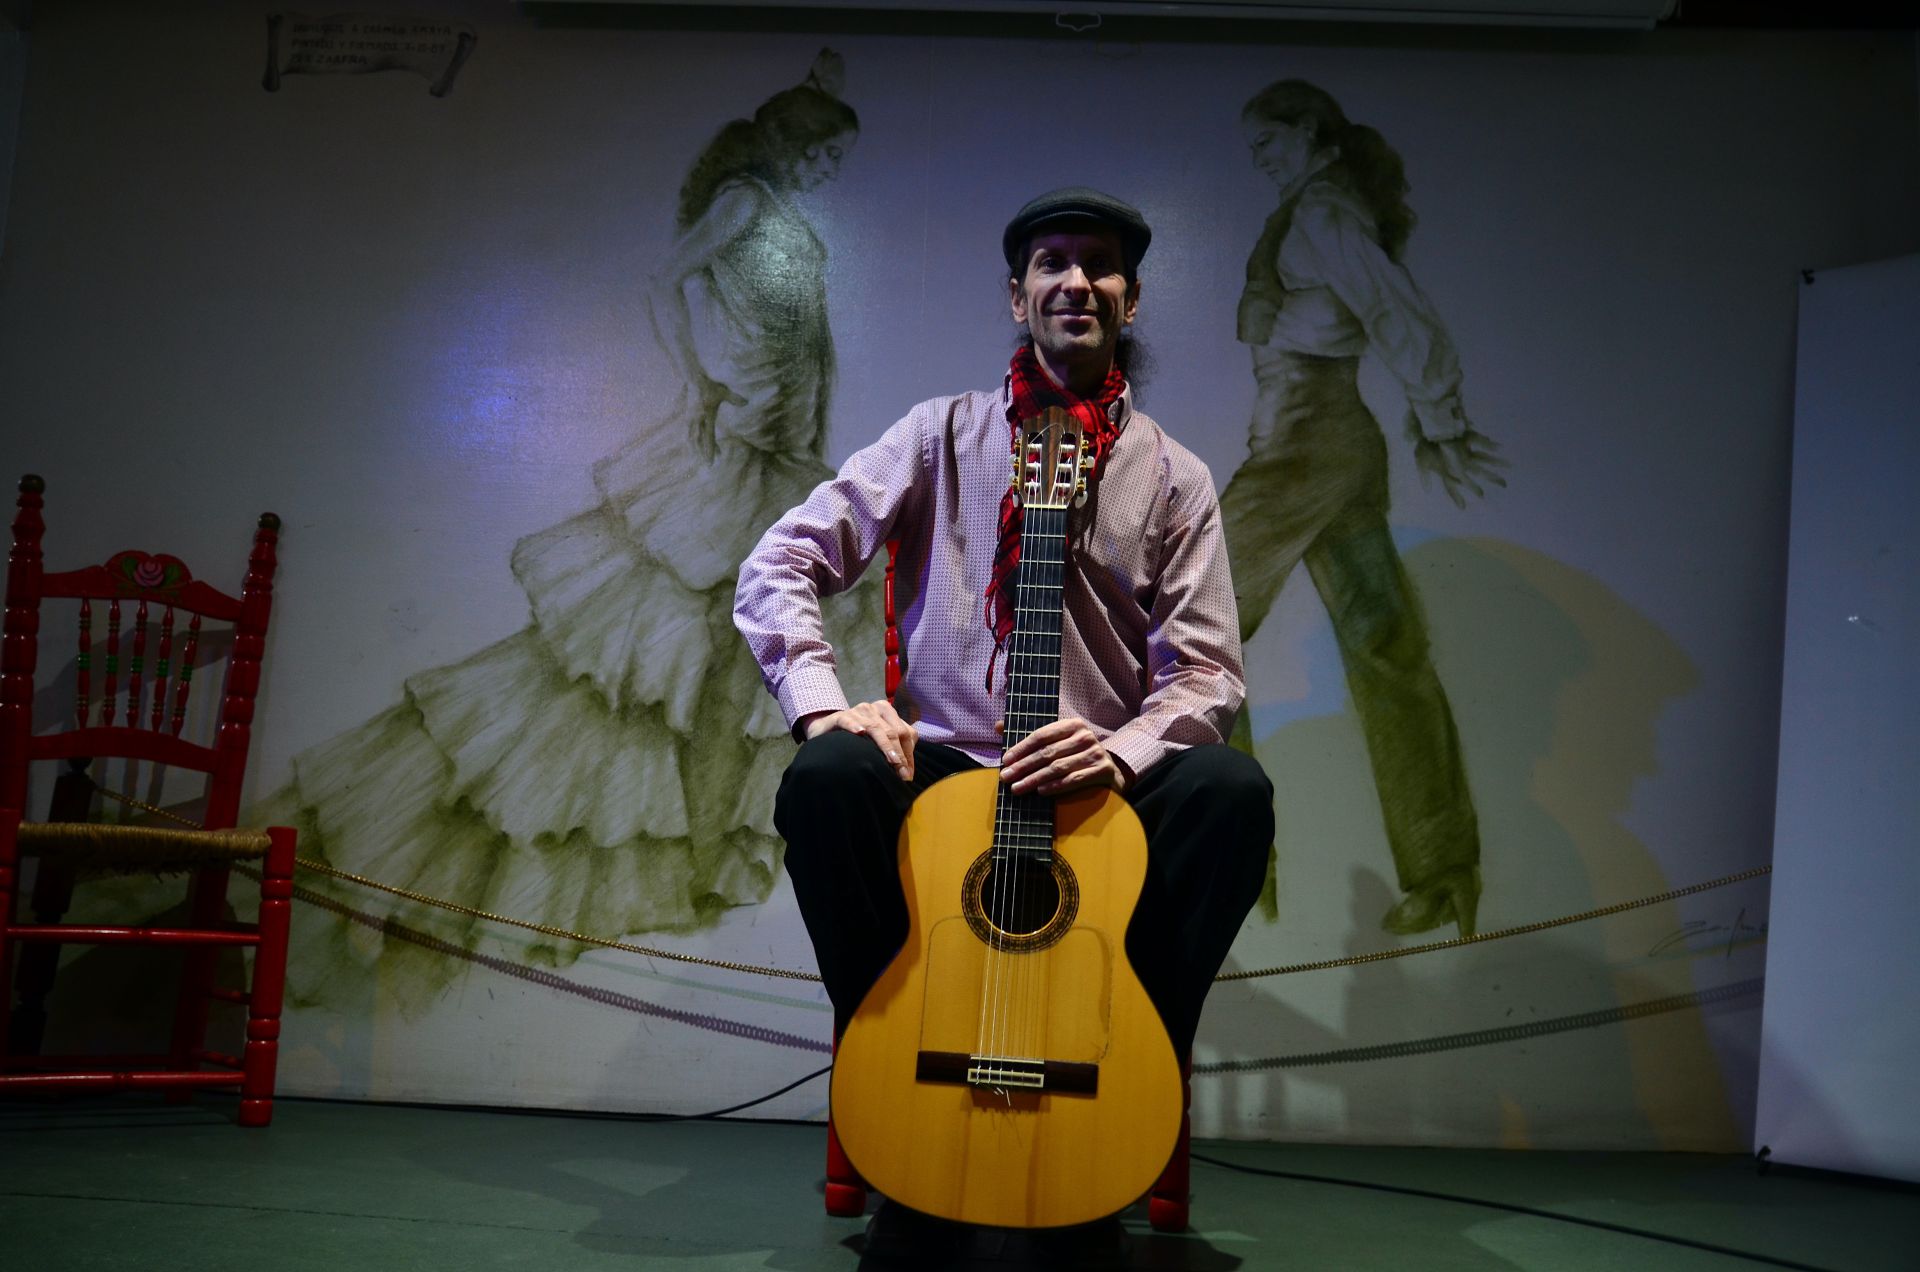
(1012, 1074)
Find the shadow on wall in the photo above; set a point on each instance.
(1558, 685)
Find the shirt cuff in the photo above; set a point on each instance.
(1441, 421)
(809, 690)
(1137, 750)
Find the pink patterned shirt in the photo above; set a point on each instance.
(1150, 654)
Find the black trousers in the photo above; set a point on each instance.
(1207, 811)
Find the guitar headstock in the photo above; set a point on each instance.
(1051, 461)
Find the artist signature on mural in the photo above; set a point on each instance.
(1699, 936)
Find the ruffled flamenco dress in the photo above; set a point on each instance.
(610, 769)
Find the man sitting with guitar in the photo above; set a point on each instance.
(1078, 629)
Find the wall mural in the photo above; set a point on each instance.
(589, 746)
(1324, 286)
(610, 769)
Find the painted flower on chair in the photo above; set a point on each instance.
(138, 573)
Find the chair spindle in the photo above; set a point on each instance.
(83, 664)
(162, 672)
(184, 682)
(137, 665)
(111, 696)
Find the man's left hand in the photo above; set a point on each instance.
(1060, 757)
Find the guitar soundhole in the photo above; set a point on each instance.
(1020, 896)
(1020, 904)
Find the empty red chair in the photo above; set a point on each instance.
(157, 618)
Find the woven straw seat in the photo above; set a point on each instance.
(159, 849)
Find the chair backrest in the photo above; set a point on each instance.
(140, 718)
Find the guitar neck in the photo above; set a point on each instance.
(1033, 651)
(1025, 822)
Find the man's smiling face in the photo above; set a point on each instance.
(1074, 299)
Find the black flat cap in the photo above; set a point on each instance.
(1077, 203)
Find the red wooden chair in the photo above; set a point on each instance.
(159, 594)
(1167, 1201)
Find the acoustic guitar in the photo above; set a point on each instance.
(1007, 1068)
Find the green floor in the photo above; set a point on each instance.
(133, 1183)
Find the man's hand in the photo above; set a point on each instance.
(1060, 757)
(1461, 463)
(876, 720)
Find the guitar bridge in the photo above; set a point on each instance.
(1060, 1077)
(998, 1071)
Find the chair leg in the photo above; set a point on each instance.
(207, 900)
(51, 897)
(1168, 1205)
(846, 1191)
(9, 884)
(269, 981)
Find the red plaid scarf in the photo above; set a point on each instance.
(1033, 393)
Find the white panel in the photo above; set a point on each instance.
(1837, 1087)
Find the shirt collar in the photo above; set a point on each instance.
(1120, 412)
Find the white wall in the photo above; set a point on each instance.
(13, 82)
(411, 325)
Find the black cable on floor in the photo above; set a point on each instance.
(732, 1108)
(1510, 1208)
(603, 1114)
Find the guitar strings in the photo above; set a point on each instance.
(1042, 700)
(994, 997)
(1033, 698)
(1019, 706)
(1027, 702)
(1020, 695)
(1013, 991)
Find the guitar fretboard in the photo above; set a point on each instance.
(1024, 823)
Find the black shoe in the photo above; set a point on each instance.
(898, 1234)
(1099, 1246)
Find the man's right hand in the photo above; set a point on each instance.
(875, 720)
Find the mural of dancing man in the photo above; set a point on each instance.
(1325, 285)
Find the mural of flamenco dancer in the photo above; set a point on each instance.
(610, 769)
(1324, 286)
